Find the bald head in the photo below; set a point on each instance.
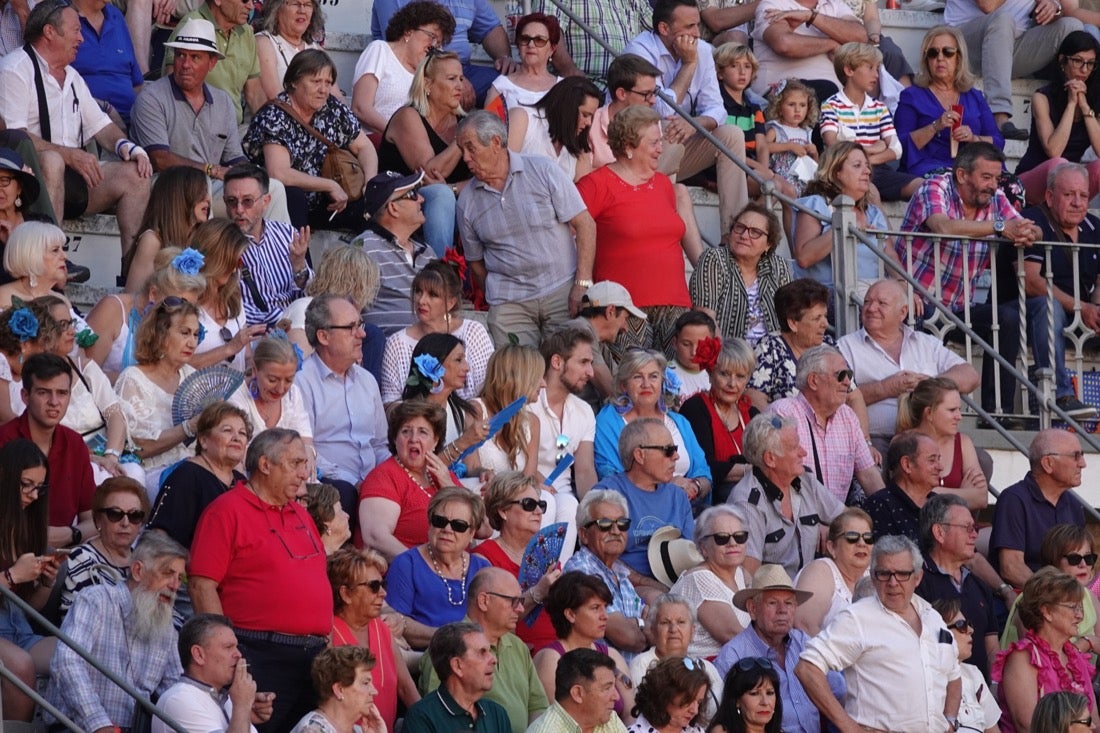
(885, 308)
(1056, 459)
(493, 602)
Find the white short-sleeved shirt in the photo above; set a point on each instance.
(578, 425)
(75, 117)
(394, 80)
(194, 708)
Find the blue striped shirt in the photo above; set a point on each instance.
(268, 264)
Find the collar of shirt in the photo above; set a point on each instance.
(218, 696)
(515, 165)
(771, 491)
(454, 709)
(327, 373)
(177, 93)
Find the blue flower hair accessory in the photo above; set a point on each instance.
(673, 383)
(278, 333)
(23, 324)
(202, 332)
(188, 262)
(428, 371)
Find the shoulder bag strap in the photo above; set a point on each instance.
(40, 88)
(308, 127)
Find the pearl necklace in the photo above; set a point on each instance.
(414, 479)
(462, 581)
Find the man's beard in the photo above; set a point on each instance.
(150, 616)
(575, 387)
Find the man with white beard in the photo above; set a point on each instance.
(127, 628)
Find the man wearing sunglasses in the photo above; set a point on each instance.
(495, 604)
(900, 662)
(602, 526)
(394, 211)
(949, 535)
(771, 639)
(827, 427)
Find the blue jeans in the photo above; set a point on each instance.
(439, 217)
(1039, 333)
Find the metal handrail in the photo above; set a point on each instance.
(38, 699)
(64, 638)
(844, 224)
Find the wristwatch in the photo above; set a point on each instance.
(76, 536)
(999, 226)
(954, 721)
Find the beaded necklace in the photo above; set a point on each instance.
(462, 581)
(414, 479)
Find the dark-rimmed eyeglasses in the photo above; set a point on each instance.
(970, 528)
(962, 626)
(1076, 455)
(884, 576)
(647, 96)
(605, 525)
(375, 586)
(245, 202)
(513, 601)
(528, 504)
(1081, 63)
(1083, 721)
(723, 538)
(458, 525)
(30, 487)
(115, 515)
(669, 450)
(361, 323)
(536, 41)
(5, 181)
(1075, 558)
(947, 51)
(752, 232)
(852, 537)
(66, 323)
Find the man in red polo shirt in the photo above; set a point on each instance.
(257, 558)
(47, 381)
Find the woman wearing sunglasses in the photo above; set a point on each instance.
(537, 37)
(978, 710)
(577, 605)
(1063, 118)
(359, 594)
(1046, 659)
(428, 584)
(671, 697)
(1070, 549)
(1062, 712)
(720, 536)
(832, 579)
(928, 118)
(515, 508)
(120, 507)
(165, 342)
(934, 407)
(750, 700)
(26, 570)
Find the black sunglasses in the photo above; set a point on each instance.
(747, 663)
(458, 525)
(723, 538)
(948, 52)
(114, 516)
(852, 537)
(669, 450)
(528, 504)
(962, 625)
(605, 525)
(1083, 721)
(374, 585)
(844, 374)
(1076, 558)
(412, 194)
(226, 334)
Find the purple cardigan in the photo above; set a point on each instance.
(918, 107)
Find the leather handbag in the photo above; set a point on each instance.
(339, 165)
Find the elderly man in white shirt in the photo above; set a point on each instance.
(889, 358)
(899, 660)
(41, 93)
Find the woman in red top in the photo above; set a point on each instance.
(514, 508)
(358, 593)
(644, 226)
(719, 416)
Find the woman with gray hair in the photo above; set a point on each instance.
(640, 386)
(672, 621)
(720, 536)
(719, 416)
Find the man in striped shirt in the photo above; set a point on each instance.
(274, 271)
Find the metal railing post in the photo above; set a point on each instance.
(38, 699)
(845, 270)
